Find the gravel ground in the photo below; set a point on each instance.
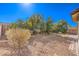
(70, 36)
(43, 45)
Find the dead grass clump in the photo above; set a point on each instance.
(17, 38)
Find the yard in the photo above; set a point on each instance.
(44, 45)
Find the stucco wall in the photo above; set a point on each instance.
(0, 30)
(3, 28)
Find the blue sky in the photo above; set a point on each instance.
(10, 12)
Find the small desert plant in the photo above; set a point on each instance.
(17, 38)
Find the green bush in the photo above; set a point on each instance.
(63, 30)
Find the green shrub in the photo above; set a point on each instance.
(63, 30)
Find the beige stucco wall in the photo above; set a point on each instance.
(3, 28)
(0, 30)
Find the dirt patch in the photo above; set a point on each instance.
(43, 45)
(50, 45)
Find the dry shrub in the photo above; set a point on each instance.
(17, 38)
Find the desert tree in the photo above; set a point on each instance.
(49, 25)
(20, 23)
(63, 26)
(35, 22)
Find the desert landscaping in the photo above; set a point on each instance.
(36, 37)
(48, 45)
(39, 30)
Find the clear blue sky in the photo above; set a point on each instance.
(10, 12)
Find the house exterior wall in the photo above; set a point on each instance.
(0, 30)
(3, 28)
(72, 31)
(75, 17)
